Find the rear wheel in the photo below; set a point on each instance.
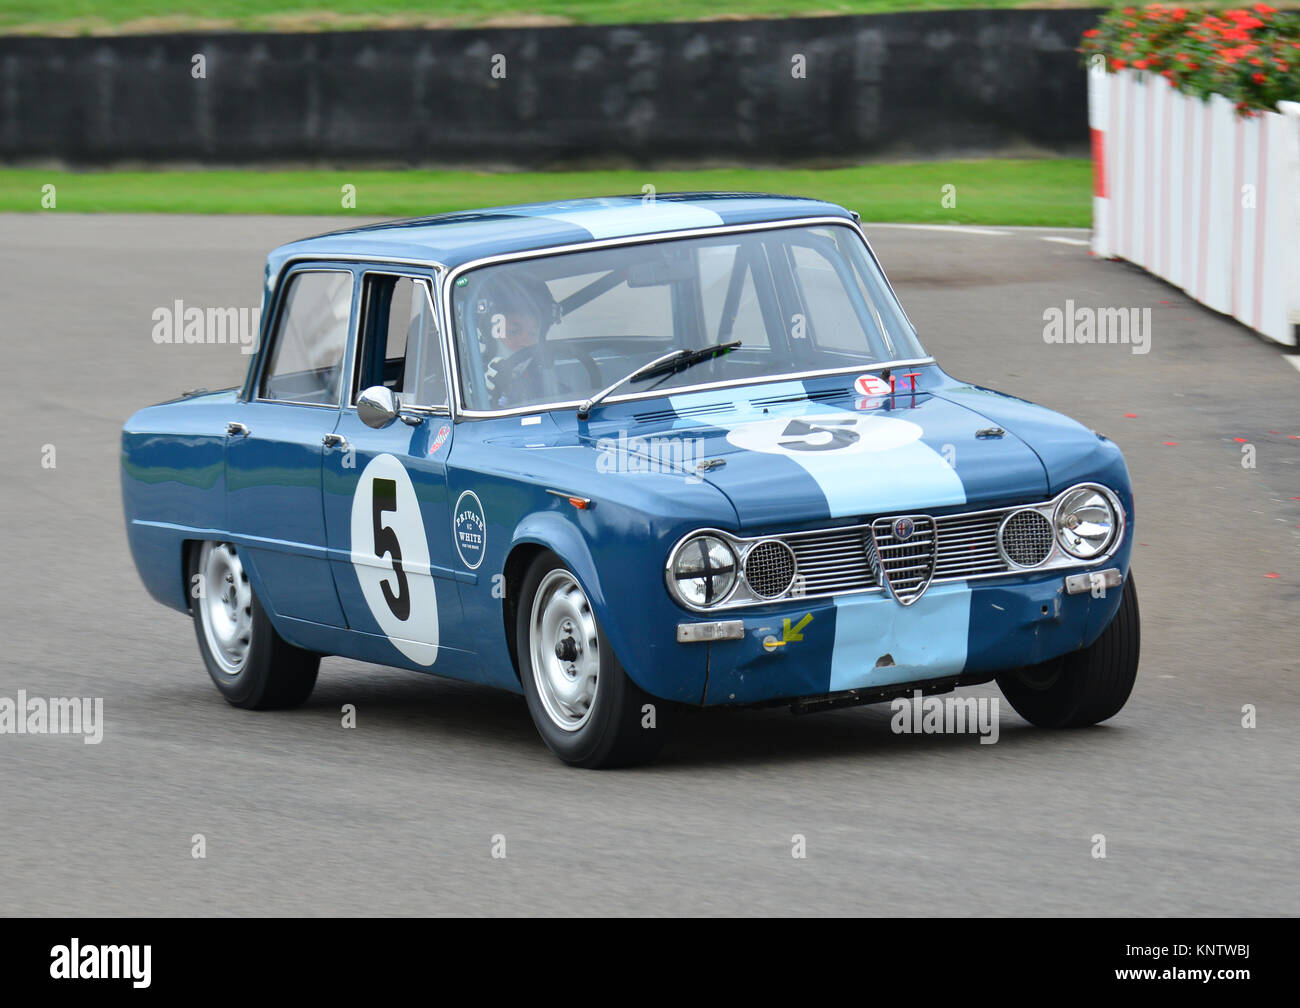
(1086, 686)
(251, 664)
(587, 710)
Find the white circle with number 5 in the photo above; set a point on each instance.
(824, 434)
(391, 557)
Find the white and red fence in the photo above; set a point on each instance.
(1199, 196)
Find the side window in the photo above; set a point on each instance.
(400, 345)
(310, 339)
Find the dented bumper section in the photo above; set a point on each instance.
(868, 644)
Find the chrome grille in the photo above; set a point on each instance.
(831, 562)
(837, 561)
(1026, 538)
(769, 568)
(903, 559)
(968, 546)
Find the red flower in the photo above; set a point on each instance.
(1141, 64)
(1263, 8)
(1258, 78)
(1091, 33)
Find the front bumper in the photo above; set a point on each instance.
(870, 642)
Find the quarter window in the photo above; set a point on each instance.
(311, 337)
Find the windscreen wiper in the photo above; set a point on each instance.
(669, 363)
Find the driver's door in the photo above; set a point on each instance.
(387, 517)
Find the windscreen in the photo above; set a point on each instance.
(559, 328)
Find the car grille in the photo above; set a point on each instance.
(1027, 538)
(769, 568)
(901, 552)
(952, 548)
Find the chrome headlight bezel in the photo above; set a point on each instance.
(674, 578)
(1000, 539)
(740, 593)
(1074, 498)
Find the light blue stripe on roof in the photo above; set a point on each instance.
(617, 218)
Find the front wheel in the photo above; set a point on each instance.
(251, 664)
(587, 710)
(1086, 686)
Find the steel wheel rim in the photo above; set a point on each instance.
(566, 685)
(225, 607)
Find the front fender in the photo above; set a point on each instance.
(638, 619)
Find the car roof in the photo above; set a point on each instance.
(463, 236)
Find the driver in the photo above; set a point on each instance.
(514, 311)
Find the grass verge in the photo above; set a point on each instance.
(1050, 192)
(138, 17)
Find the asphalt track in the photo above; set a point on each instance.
(398, 815)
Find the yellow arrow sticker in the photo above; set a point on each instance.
(788, 633)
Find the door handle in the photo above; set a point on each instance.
(334, 441)
(235, 428)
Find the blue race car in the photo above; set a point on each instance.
(625, 454)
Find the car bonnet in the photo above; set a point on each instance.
(794, 452)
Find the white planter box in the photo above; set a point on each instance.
(1199, 196)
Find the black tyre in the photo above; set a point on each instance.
(1084, 687)
(587, 710)
(251, 664)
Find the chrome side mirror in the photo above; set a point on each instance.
(377, 407)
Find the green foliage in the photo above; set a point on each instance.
(1251, 56)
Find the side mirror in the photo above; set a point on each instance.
(377, 407)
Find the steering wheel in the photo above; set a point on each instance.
(513, 371)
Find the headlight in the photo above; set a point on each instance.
(703, 571)
(1085, 523)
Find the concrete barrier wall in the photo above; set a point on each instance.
(922, 85)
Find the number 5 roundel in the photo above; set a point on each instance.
(390, 555)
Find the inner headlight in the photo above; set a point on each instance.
(1085, 522)
(704, 570)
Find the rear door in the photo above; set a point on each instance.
(274, 444)
(387, 514)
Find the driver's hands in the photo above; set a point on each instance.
(491, 371)
(505, 377)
